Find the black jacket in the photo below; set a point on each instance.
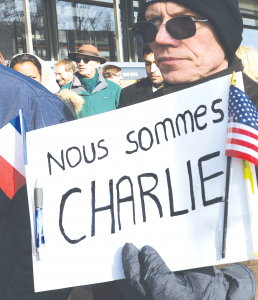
(133, 93)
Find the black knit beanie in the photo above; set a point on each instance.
(224, 15)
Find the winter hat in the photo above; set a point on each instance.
(224, 15)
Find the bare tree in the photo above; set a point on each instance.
(88, 17)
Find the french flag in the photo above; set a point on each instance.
(12, 169)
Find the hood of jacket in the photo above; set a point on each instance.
(68, 95)
(47, 77)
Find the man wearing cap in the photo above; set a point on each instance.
(100, 95)
(193, 41)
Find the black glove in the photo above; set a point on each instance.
(148, 274)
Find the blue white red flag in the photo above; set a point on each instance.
(242, 132)
(12, 169)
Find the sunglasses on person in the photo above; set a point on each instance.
(179, 28)
(78, 60)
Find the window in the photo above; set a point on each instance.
(12, 28)
(249, 10)
(39, 29)
(86, 22)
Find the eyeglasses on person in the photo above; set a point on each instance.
(179, 28)
(119, 75)
(78, 60)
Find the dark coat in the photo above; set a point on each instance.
(133, 93)
(40, 108)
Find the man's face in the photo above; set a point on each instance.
(87, 69)
(62, 76)
(185, 60)
(117, 78)
(152, 70)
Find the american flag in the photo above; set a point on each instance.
(242, 132)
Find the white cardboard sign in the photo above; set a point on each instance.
(156, 187)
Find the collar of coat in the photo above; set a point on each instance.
(100, 85)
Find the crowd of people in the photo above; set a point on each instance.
(186, 43)
(90, 90)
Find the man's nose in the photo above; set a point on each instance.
(164, 38)
(153, 68)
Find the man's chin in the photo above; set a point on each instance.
(176, 77)
(85, 74)
(156, 82)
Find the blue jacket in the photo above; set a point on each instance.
(40, 108)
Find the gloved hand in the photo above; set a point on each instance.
(148, 274)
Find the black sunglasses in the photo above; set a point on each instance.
(179, 28)
(78, 60)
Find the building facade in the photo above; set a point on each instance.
(52, 28)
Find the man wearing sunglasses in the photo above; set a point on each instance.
(190, 42)
(193, 41)
(100, 95)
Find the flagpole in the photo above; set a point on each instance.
(226, 199)
(225, 224)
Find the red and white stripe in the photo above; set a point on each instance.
(12, 170)
(242, 142)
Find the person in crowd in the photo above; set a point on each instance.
(16, 275)
(100, 95)
(113, 73)
(30, 65)
(145, 86)
(35, 68)
(249, 59)
(64, 69)
(193, 41)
